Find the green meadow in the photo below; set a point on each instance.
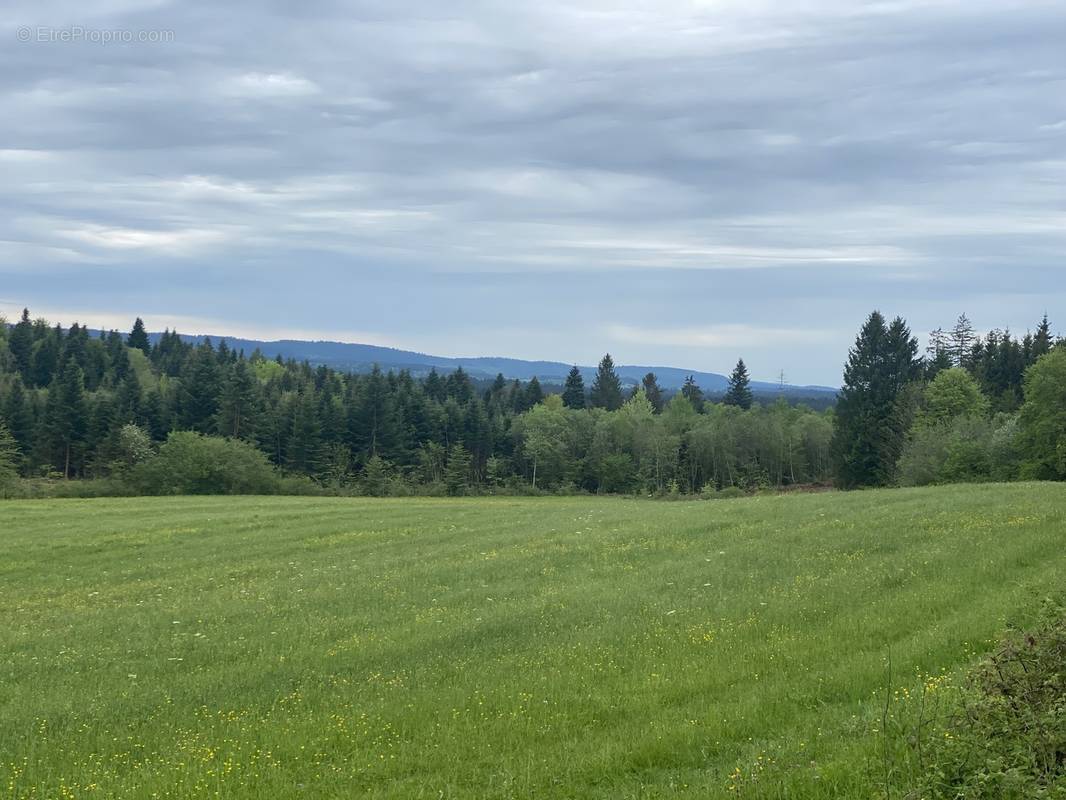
(580, 647)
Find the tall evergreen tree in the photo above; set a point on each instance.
(606, 388)
(236, 407)
(201, 384)
(1043, 339)
(574, 390)
(653, 392)
(739, 391)
(18, 414)
(534, 392)
(66, 420)
(20, 343)
(693, 393)
(870, 420)
(963, 339)
(138, 338)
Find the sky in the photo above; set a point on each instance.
(680, 183)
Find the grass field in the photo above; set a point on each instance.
(493, 648)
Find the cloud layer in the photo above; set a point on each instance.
(541, 180)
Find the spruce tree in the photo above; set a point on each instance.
(66, 420)
(20, 343)
(534, 393)
(201, 384)
(606, 388)
(574, 390)
(962, 340)
(138, 338)
(653, 392)
(693, 393)
(457, 470)
(18, 413)
(236, 406)
(1043, 340)
(871, 414)
(739, 391)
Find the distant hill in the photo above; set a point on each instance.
(349, 357)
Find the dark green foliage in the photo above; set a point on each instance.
(66, 422)
(693, 393)
(652, 391)
(872, 413)
(457, 470)
(606, 388)
(138, 338)
(198, 395)
(574, 390)
(739, 391)
(534, 393)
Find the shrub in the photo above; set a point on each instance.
(191, 463)
(1007, 741)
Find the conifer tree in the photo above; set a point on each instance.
(693, 393)
(574, 390)
(1043, 340)
(457, 470)
(653, 392)
(201, 384)
(66, 420)
(20, 343)
(236, 407)
(534, 392)
(18, 414)
(138, 338)
(870, 418)
(739, 391)
(963, 340)
(606, 388)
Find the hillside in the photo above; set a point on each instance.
(349, 357)
(494, 648)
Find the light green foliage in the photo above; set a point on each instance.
(190, 463)
(965, 449)
(596, 648)
(133, 447)
(1043, 417)
(952, 394)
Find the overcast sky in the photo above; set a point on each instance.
(680, 183)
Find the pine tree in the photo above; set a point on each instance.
(138, 338)
(303, 447)
(534, 393)
(574, 390)
(236, 406)
(18, 414)
(606, 388)
(653, 392)
(20, 343)
(870, 423)
(66, 420)
(962, 341)
(201, 384)
(457, 470)
(1043, 340)
(693, 393)
(739, 391)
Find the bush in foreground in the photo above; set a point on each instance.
(191, 463)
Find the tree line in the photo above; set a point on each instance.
(175, 415)
(973, 408)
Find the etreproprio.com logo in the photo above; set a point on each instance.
(77, 33)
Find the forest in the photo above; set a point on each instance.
(124, 415)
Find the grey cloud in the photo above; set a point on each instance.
(657, 166)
